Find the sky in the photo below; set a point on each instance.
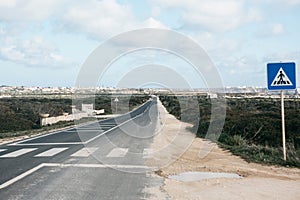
(45, 43)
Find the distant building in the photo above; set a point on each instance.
(88, 108)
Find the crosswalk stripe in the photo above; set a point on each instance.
(84, 152)
(147, 153)
(117, 152)
(18, 153)
(2, 150)
(51, 152)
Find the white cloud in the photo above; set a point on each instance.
(277, 29)
(155, 11)
(104, 19)
(7, 3)
(282, 57)
(23, 10)
(216, 15)
(290, 2)
(34, 52)
(271, 30)
(151, 23)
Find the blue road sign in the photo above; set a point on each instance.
(281, 76)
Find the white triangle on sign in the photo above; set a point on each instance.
(281, 79)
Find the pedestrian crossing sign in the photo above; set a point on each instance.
(281, 76)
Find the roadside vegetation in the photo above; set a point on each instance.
(252, 127)
(20, 116)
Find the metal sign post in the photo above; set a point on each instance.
(116, 101)
(283, 126)
(282, 76)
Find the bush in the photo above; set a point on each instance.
(252, 127)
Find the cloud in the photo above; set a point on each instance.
(214, 15)
(7, 3)
(282, 57)
(269, 30)
(277, 29)
(155, 11)
(102, 19)
(35, 52)
(23, 10)
(290, 2)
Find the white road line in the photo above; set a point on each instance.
(2, 150)
(18, 153)
(51, 152)
(27, 173)
(117, 152)
(97, 166)
(12, 181)
(21, 143)
(113, 128)
(84, 152)
(147, 153)
(44, 135)
(46, 144)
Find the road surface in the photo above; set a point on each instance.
(101, 160)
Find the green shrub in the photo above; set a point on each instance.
(252, 127)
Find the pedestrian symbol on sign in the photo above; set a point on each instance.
(281, 79)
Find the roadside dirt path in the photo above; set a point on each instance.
(258, 182)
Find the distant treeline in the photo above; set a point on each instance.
(252, 127)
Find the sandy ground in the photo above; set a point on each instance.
(176, 150)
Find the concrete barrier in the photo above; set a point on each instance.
(52, 120)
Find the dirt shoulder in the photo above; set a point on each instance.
(258, 182)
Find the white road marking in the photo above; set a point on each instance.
(46, 144)
(67, 143)
(117, 152)
(84, 152)
(52, 133)
(147, 153)
(97, 166)
(2, 150)
(18, 153)
(21, 176)
(72, 143)
(51, 152)
(12, 181)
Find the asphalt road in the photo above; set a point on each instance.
(101, 160)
